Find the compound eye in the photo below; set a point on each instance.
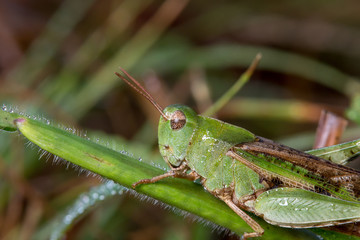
(177, 120)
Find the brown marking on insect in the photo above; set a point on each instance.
(194, 175)
(321, 190)
(223, 191)
(168, 149)
(286, 182)
(325, 171)
(266, 183)
(276, 181)
(307, 161)
(177, 120)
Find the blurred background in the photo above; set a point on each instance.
(58, 58)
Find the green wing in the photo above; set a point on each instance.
(299, 208)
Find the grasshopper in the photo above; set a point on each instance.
(282, 185)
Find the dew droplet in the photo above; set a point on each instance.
(95, 195)
(283, 202)
(80, 210)
(67, 219)
(85, 199)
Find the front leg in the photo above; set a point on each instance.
(179, 172)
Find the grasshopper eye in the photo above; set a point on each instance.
(177, 120)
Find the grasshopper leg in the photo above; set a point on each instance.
(179, 172)
(258, 230)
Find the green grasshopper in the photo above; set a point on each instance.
(284, 186)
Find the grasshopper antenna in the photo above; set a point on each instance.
(140, 89)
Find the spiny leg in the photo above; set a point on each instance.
(258, 230)
(179, 172)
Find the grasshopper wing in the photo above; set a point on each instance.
(299, 208)
(282, 166)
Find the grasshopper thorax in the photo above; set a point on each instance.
(175, 133)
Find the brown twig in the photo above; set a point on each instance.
(329, 130)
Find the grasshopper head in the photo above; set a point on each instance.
(175, 132)
(176, 126)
